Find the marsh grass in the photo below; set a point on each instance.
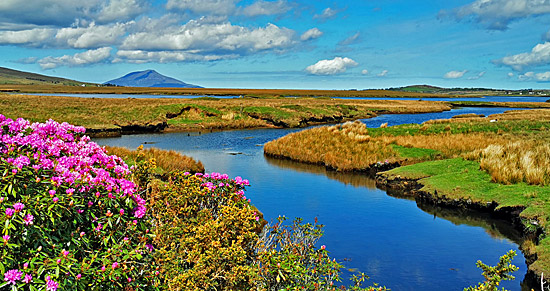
(165, 160)
(186, 114)
(515, 162)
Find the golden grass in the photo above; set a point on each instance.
(166, 160)
(514, 162)
(343, 147)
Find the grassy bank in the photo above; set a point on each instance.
(201, 113)
(499, 161)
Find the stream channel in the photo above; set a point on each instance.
(397, 242)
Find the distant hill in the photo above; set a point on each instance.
(14, 77)
(149, 78)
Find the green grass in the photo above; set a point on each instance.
(268, 111)
(463, 180)
(415, 153)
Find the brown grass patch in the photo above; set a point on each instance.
(166, 160)
(514, 162)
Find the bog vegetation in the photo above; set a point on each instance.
(76, 218)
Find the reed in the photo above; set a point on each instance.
(515, 162)
(344, 147)
(166, 160)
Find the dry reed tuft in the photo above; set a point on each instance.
(515, 162)
(344, 147)
(167, 160)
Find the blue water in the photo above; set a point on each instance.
(485, 98)
(393, 240)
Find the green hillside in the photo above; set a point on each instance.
(14, 77)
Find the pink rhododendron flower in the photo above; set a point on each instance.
(28, 278)
(18, 206)
(51, 285)
(9, 212)
(28, 219)
(12, 276)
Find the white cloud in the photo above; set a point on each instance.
(540, 77)
(328, 13)
(497, 14)
(539, 55)
(311, 34)
(331, 67)
(455, 74)
(92, 36)
(350, 40)
(481, 74)
(510, 75)
(214, 7)
(30, 37)
(139, 56)
(121, 10)
(383, 73)
(365, 72)
(261, 7)
(210, 38)
(79, 59)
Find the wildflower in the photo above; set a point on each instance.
(51, 285)
(79, 211)
(115, 265)
(149, 246)
(52, 193)
(102, 268)
(28, 219)
(65, 253)
(69, 192)
(9, 212)
(27, 279)
(5, 238)
(25, 266)
(323, 247)
(78, 276)
(58, 261)
(109, 213)
(18, 206)
(121, 211)
(129, 279)
(55, 199)
(82, 234)
(12, 276)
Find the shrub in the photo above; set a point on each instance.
(206, 232)
(71, 218)
(494, 275)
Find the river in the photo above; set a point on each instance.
(398, 243)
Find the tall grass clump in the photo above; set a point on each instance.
(165, 160)
(515, 162)
(71, 216)
(342, 147)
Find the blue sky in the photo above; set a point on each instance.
(283, 43)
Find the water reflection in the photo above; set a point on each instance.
(353, 179)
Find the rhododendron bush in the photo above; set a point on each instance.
(70, 215)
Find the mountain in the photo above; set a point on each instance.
(149, 78)
(14, 77)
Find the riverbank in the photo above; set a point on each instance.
(117, 116)
(496, 164)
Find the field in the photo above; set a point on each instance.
(201, 113)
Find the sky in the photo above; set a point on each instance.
(360, 44)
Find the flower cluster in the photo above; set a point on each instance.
(66, 206)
